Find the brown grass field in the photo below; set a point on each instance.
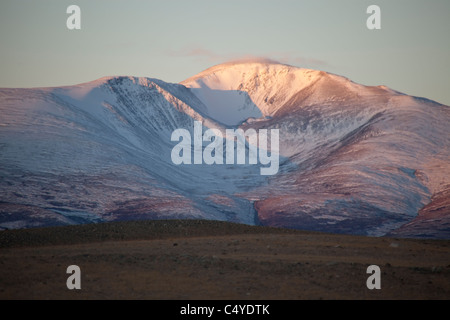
(211, 260)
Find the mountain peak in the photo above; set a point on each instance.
(353, 158)
(250, 65)
(250, 88)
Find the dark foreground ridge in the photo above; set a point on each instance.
(131, 230)
(204, 260)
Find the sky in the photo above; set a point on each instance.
(173, 40)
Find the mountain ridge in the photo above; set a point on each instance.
(354, 159)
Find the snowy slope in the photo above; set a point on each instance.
(101, 151)
(378, 175)
(354, 159)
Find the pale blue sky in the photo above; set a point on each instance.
(173, 40)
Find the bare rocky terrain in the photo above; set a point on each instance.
(197, 259)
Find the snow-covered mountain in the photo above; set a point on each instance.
(354, 159)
